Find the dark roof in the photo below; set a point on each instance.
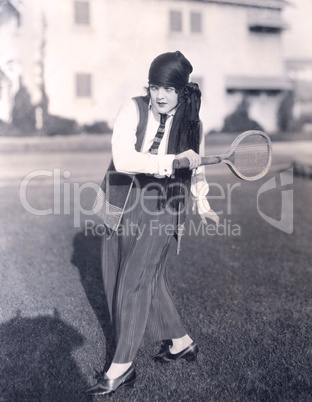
(16, 4)
(277, 4)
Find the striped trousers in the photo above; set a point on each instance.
(134, 274)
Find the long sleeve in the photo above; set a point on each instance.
(126, 158)
(199, 185)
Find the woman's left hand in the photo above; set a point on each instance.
(210, 215)
(205, 212)
(193, 158)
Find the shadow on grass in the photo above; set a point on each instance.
(249, 310)
(36, 362)
(87, 258)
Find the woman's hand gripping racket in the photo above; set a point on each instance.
(249, 156)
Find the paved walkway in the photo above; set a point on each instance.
(87, 156)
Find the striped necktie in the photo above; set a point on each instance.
(159, 135)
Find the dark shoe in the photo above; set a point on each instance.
(164, 348)
(106, 386)
(189, 354)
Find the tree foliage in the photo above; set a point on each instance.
(239, 121)
(23, 113)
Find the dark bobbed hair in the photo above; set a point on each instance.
(171, 69)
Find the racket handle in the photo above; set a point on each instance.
(210, 160)
(205, 160)
(181, 163)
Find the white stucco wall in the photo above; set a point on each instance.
(9, 64)
(122, 40)
(297, 40)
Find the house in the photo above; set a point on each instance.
(90, 56)
(9, 67)
(300, 72)
(297, 44)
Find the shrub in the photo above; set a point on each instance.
(285, 112)
(23, 112)
(60, 125)
(239, 120)
(298, 124)
(7, 130)
(100, 127)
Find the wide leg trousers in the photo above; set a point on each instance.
(134, 274)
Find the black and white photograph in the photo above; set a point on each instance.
(155, 192)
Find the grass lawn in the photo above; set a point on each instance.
(246, 300)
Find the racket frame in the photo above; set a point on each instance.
(228, 157)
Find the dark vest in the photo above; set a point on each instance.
(115, 188)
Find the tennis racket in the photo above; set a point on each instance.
(249, 157)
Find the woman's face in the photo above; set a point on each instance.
(164, 99)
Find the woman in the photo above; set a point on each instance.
(143, 204)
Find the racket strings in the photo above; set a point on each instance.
(252, 155)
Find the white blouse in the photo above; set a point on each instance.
(128, 160)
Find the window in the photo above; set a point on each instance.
(264, 21)
(82, 12)
(83, 85)
(196, 22)
(175, 21)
